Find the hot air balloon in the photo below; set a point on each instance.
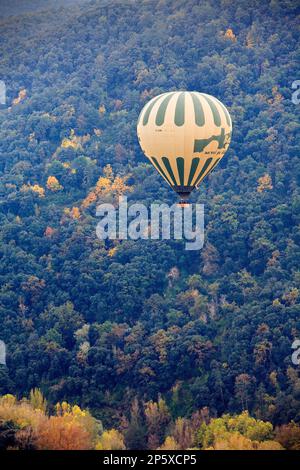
(184, 135)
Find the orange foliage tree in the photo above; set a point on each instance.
(53, 184)
(108, 187)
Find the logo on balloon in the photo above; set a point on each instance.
(222, 140)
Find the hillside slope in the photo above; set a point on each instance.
(102, 324)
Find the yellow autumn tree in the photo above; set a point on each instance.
(53, 184)
(235, 441)
(37, 400)
(112, 251)
(111, 440)
(291, 297)
(38, 189)
(119, 186)
(20, 413)
(277, 96)
(107, 186)
(229, 34)
(74, 141)
(91, 197)
(169, 444)
(71, 428)
(66, 143)
(269, 445)
(62, 433)
(75, 213)
(101, 109)
(264, 183)
(103, 185)
(234, 432)
(34, 188)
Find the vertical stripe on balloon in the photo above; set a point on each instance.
(194, 166)
(198, 110)
(160, 115)
(179, 110)
(159, 168)
(180, 168)
(214, 110)
(214, 164)
(149, 109)
(169, 169)
(204, 168)
(228, 120)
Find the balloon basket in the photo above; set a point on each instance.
(183, 203)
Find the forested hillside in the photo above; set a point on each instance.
(110, 327)
(18, 7)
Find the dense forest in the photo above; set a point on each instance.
(127, 328)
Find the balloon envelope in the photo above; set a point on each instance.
(184, 134)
